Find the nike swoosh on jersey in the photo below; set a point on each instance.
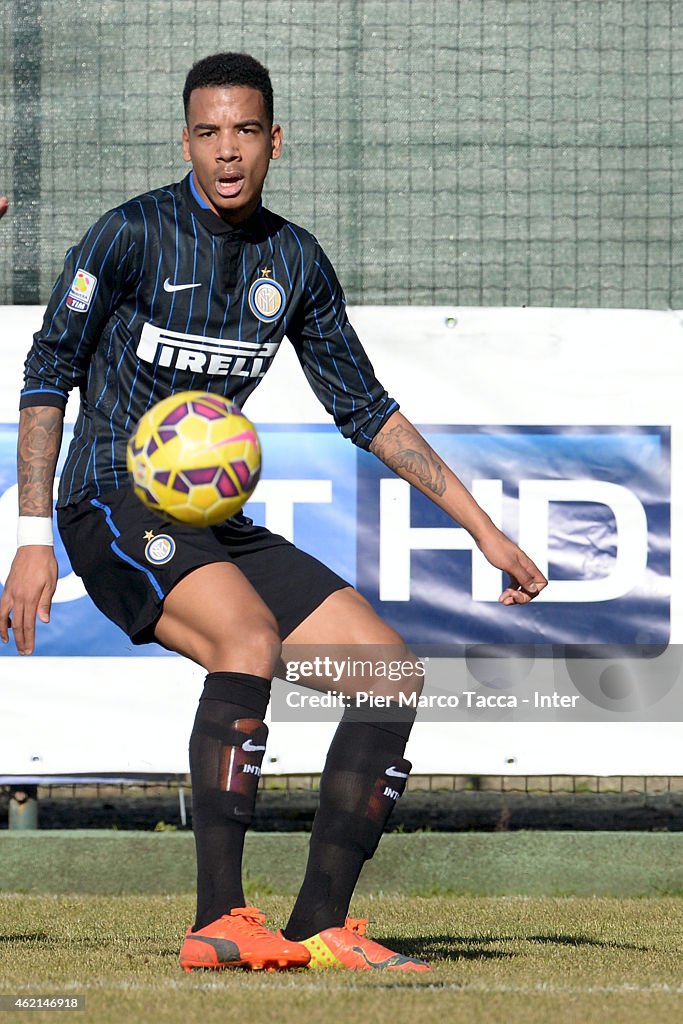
(168, 287)
(396, 773)
(250, 746)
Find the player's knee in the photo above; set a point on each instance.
(399, 672)
(394, 670)
(253, 647)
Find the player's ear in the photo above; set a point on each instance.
(276, 141)
(186, 144)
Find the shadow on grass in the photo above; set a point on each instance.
(584, 940)
(446, 947)
(477, 947)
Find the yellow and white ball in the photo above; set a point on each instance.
(194, 457)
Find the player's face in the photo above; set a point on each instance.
(230, 143)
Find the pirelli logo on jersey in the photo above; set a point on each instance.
(197, 354)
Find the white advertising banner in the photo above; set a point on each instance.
(564, 424)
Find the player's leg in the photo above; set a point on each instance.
(177, 585)
(278, 589)
(214, 616)
(364, 774)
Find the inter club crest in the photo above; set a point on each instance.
(159, 549)
(266, 298)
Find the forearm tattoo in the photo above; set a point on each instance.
(40, 435)
(404, 451)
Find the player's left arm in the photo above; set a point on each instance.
(403, 449)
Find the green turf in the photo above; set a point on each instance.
(506, 863)
(496, 959)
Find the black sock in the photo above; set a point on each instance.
(365, 773)
(226, 749)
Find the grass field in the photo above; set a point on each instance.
(496, 959)
(515, 959)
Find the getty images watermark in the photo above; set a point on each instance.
(526, 683)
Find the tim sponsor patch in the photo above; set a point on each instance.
(82, 291)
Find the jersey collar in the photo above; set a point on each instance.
(215, 224)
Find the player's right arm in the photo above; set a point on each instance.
(33, 576)
(96, 273)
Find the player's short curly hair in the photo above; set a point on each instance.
(225, 69)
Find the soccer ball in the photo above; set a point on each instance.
(194, 457)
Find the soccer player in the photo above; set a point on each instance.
(194, 286)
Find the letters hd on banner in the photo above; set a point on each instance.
(591, 505)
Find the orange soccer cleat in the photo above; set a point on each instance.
(348, 947)
(238, 939)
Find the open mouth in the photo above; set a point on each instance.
(229, 185)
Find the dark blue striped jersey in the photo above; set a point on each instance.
(161, 295)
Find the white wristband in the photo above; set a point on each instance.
(34, 530)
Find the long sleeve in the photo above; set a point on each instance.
(96, 273)
(334, 360)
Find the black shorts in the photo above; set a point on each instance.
(129, 560)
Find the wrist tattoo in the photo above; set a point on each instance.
(40, 436)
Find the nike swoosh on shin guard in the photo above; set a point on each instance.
(251, 747)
